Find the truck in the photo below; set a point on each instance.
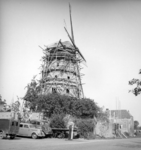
(9, 125)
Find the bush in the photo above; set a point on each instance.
(57, 121)
(85, 128)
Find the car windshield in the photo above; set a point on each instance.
(32, 126)
(35, 122)
(38, 123)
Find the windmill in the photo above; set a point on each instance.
(61, 68)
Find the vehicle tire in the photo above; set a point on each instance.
(34, 136)
(2, 135)
(12, 136)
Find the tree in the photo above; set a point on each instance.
(58, 104)
(33, 90)
(103, 116)
(137, 90)
(3, 103)
(0, 98)
(136, 124)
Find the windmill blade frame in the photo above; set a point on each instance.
(76, 48)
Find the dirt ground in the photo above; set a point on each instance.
(65, 144)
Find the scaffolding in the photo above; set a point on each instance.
(61, 67)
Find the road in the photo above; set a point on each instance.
(64, 144)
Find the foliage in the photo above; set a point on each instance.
(3, 102)
(85, 127)
(137, 90)
(103, 116)
(136, 124)
(68, 119)
(31, 94)
(58, 104)
(57, 121)
(0, 98)
(33, 90)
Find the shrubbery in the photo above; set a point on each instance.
(56, 107)
(85, 128)
(57, 121)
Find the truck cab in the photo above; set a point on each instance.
(9, 126)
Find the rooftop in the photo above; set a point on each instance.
(65, 43)
(122, 114)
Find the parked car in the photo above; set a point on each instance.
(29, 130)
(44, 125)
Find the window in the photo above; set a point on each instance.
(33, 122)
(17, 124)
(57, 64)
(12, 123)
(67, 90)
(21, 125)
(25, 126)
(55, 76)
(54, 90)
(32, 126)
(38, 123)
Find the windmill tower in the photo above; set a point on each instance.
(61, 67)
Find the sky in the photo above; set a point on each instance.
(108, 34)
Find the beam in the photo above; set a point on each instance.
(74, 45)
(72, 35)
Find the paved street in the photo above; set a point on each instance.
(64, 144)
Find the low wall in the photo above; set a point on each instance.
(104, 129)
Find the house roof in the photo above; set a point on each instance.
(122, 114)
(65, 43)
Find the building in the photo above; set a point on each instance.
(124, 119)
(61, 67)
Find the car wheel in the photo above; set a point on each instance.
(34, 136)
(12, 136)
